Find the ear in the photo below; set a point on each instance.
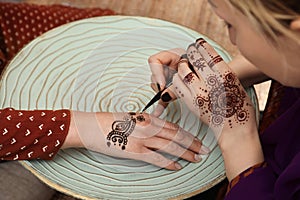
(295, 25)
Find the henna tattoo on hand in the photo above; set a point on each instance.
(201, 42)
(199, 64)
(195, 58)
(191, 54)
(179, 92)
(214, 61)
(225, 100)
(121, 129)
(189, 78)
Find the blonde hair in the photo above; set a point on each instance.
(272, 17)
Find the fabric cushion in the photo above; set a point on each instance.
(20, 23)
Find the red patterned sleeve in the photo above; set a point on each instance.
(26, 135)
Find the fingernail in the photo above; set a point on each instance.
(178, 166)
(158, 110)
(158, 87)
(166, 97)
(204, 150)
(197, 157)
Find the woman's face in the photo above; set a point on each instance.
(281, 64)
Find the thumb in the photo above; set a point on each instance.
(166, 97)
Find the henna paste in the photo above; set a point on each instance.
(200, 64)
(200, 42)
(191, 54)
(215, 61)
(179, 92)
(140, 118)
(188, 79)
(195, 57)
(121, 129)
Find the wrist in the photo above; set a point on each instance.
(73, 138)
(240, 151)
(88, 130)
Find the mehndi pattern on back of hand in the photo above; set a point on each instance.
(222, 96)
(121, 129)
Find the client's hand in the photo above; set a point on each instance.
(135, 136)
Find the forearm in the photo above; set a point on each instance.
(247, 73)
(73, 138)
(241, 148)
(85, 130)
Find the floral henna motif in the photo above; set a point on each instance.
(188, 79)
(225, 100)
(200, 64)
(195, 58)
(121, 129)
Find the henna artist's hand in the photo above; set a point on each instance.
(163, 66)
(216, 96)
(134, 136)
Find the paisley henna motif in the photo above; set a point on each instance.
(200, 101)
(121, 129)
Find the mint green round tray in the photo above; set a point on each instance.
(100, 64)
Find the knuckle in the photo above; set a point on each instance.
(151, 59)
(155, 58)
(172, 126)
(173, 147)
(158, 159)
(180, 136)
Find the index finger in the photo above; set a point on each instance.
(214, 61)
(161, 60)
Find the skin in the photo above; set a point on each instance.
(260, 52)
(260, 59)
(149, 138)
(281, 64)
